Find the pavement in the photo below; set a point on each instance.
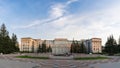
(16, 64)
(7, 61)
(106, 65)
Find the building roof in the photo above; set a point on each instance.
(60, 39)
(26, 38)
(37, 39)
(95, 38)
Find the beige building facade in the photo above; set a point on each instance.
(96, 45)
(30, 45)
(93, 45)
(60, 45)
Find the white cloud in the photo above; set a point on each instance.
(57, 12)
(71, 1)
(99, 23)
(32, 24)
(59, 9)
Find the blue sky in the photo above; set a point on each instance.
(48, 19)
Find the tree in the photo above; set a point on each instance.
(119, 44)
(7, 44)
(15, 43)
(3, 32)
(82, 47)
(49, 49)
(72, 49)
(75, 47)
(44, 48)
(111, 46)
(4, 40)
(39, 49)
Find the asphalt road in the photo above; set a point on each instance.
(107, 65)
(16, 64)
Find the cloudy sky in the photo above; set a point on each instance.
(49, 19)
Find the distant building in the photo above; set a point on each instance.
(30, 45)
(88, 46)
(60, 45)
(93, 45)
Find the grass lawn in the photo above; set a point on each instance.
(90, 58)
(32, 57)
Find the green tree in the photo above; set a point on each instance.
(7, 44)
(5, 40)
(49, 49)
(44, 48)
(111, 46)
(119, 44)
(75, 47)
(15, 43)
(3, 32)
(82, 47)
(72, 49)
(39, 49)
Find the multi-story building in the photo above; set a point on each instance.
(30, 45)
(60, 45)
(88, 46)
(93, 45)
